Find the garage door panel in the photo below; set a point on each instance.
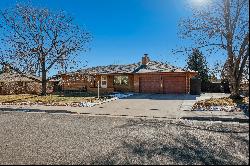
(174, 84)
(150, 84)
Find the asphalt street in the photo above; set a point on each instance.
(42, 138)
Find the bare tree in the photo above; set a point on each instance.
(222, 25)
(35, 40)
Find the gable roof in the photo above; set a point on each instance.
(151, 66)
(15, 77)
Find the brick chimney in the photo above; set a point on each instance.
(145, 59)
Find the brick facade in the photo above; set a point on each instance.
(165, 82)
(78, 82)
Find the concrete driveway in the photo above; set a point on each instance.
(160, 106)
(144, 105)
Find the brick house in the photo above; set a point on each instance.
(144, 77)
(14, 83)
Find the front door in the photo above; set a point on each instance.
(104, 81)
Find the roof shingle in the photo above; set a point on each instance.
(15, 77)
(152, 66)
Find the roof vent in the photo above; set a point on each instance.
(145, 59)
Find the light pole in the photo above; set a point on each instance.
(98, 89)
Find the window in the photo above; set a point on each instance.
(121, 80)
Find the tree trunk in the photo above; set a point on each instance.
(44, 81)
(235, 89)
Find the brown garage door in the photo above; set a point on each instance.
(174, 84)
(150, 84)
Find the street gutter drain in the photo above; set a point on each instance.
(140, 116)
(154, 109)
(102, 114)
(123, 115)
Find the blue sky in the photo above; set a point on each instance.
(124, 30)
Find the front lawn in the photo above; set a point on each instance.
(49, 99)
(68, 99)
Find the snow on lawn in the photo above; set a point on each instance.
(113, 97)
(121, 95)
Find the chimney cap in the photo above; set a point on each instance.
(145, 59)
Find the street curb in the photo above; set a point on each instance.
(240, 120)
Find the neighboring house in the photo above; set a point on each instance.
(244, 87)
(14, 83)
(145, 77)
(55, 84)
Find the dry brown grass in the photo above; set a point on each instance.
(43, 99)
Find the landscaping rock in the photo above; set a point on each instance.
(220, 104)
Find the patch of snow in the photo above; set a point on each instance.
(121, 95)
(215, 108)
(114, 96)
(218, 108)
(87, 104)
